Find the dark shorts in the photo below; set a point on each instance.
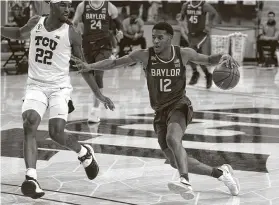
(180, 112)
(94, 52)
(199, 42)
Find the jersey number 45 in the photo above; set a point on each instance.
(193, 19)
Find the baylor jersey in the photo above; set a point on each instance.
(96, 21)
(166, 81)
(196, 17)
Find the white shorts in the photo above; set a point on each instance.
(40, 98)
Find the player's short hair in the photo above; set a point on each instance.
(164, 26)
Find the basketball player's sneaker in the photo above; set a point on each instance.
(31, 188)
(89, 163)
(182, 187)
(93, 116)
(229, 179)
(208, 80)
(194, 78)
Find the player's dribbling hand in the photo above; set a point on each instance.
(230, 61)
(107, 102)
(82, 66)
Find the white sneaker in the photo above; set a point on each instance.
(182, 187)
(93, 116)
(229, 180)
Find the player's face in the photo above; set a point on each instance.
(61, 10)
(161, 40)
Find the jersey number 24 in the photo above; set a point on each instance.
(96, 24)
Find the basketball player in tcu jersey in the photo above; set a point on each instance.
(166, 82)
(195, 13)
(97, 42)
(52, 41)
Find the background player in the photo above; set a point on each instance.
(166, 81)
(195, 13)
(97, 42)
(48, 86)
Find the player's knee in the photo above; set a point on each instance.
(172, 142)
(56, 133)
(31, 120)
(174, 135)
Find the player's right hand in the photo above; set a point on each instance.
(107, 102)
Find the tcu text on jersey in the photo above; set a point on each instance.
(44, 55)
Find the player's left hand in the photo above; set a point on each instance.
(107, 102)
(81, 65)
(230, 61)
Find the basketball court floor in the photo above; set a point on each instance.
(239, 127)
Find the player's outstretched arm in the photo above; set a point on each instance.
(76, 43)
(20, 33)
(189, 54)
(108, 64)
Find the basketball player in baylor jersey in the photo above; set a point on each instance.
(195, 14)
(52, 41)
(166, 81)
(97, 38)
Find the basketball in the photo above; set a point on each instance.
(225, 77)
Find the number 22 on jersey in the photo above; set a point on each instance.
(164, 85)
(96, 24)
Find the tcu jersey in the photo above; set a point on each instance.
(196, 17)
(96, 21)
(49, 56)
(166, 81)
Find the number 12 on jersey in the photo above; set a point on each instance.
(164, 84)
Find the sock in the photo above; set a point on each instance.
(216, 173)
(31, 172)
(82, 151)
(185, 176)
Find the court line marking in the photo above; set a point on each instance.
(62, 192)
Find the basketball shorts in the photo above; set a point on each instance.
(41, 98)
(172, 114)
(199, 42)
(94, 52)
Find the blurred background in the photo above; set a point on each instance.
(247, 18)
